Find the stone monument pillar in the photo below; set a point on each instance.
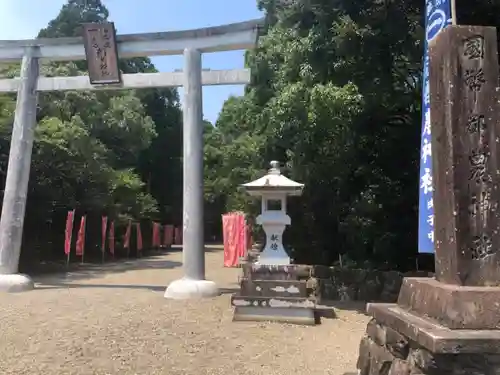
(451, 324)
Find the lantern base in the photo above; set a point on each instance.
(191, 289)
(14, 283)
(274, 258)
(268, 261)
(274, 314)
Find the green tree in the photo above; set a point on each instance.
(101, 152)
(333, 96)
(160, 164)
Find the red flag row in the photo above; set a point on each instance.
(171, 236)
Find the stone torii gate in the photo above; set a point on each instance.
(102, 49)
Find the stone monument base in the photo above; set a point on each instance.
(191, 289)
(14, 283)
(274, 293)
(411, 337)
(453, 306)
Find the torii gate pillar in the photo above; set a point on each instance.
(18, 174)
(193, 284)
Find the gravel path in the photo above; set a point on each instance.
(113, 319)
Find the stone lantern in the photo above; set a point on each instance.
(273, 189)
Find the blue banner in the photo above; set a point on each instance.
(437, 17)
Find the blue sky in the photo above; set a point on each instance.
(22, 19)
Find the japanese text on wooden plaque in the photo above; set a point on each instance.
(101, 52)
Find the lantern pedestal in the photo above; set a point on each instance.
(271, 289)
(273, 224)
(274, 293)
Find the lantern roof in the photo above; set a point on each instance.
(275, 182)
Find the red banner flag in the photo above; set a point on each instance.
(68, 234)
(168, 235)
(228, 231)
(139, 236)
(104, 228)
(80, 241)
(111, 238)
(126, 236)
(178, 236)
(156, 235)
(234, 234)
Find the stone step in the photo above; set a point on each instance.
(276, 314)
(274, 288)
(269, 272)
(273, 302)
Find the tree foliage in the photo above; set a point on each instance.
(99, 152)
(335, 96)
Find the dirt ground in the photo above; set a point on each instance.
(113, 319)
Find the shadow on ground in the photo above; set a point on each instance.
(47, 284)
(88, 271)
(358, 306)
(151, 259)
(325, 313)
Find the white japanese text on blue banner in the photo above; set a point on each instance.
(437, 17)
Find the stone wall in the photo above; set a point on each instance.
(383, 351)
(342, 284)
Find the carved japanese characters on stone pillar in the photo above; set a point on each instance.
(101, 52)
(465, 148)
